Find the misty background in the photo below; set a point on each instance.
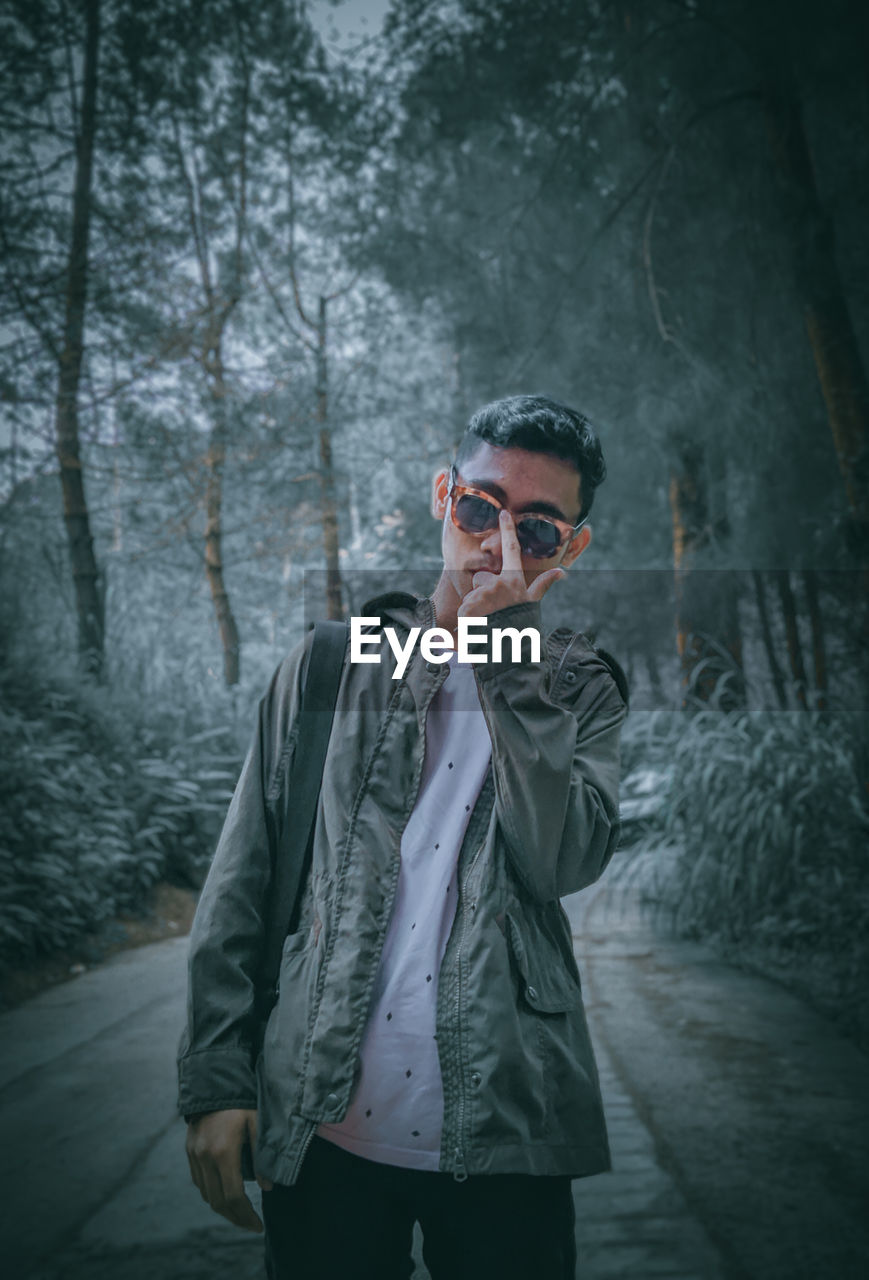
(259, 264)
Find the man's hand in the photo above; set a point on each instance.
(493, 591)
(214, 1143)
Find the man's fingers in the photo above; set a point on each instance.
(193, 1161)
(236, 1205)
(232, 1202)
(543, 582)
(239, 1210)
(464, 582)
(511, 554)
(195, 1173)
(471, 605)
(212, 1191)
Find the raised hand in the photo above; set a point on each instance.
(493, 591)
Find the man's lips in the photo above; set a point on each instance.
(465, 581)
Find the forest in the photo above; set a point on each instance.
(256, 278)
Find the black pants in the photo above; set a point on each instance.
(352, 1219)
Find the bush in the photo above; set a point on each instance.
(771, 815)
(757, 828)
(98, 801)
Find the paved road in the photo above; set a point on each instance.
(738, 1122)
(756, 1109)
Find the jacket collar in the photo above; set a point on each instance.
(408, 609)
(402, 607)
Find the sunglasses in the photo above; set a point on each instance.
(475, 511)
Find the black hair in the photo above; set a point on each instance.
(540, 425)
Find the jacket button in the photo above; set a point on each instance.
(531, 993)
(475, 1078)
(332, 1101)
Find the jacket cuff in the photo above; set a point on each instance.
(216, 1080)
(518, 616)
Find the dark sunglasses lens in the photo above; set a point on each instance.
(539, 538)
(475, 515)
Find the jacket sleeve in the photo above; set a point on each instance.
(216, 1053)
(555, 765)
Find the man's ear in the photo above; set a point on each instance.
(439, 491)
(576, 546)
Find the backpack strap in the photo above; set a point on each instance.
(320, 682)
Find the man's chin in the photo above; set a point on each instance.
(461, 581)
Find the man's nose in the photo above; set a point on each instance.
(491, 544)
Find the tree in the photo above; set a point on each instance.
(75, 82)
(811, 234)
(576, 179)
(53, 60)
(206, 156)
(214, 157)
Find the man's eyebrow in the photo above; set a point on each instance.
(542, 508)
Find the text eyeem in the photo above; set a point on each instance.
(436, 643)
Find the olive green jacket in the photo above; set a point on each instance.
(520, 1084)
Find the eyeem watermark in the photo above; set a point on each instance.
(436, 644)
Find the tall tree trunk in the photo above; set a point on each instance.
(839, 365)
(86, 578)
(792, 635)
(334, 604)
(707, 619)
(214, 460)
(816, 622)
(766, 636)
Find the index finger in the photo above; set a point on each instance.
(235, 1204)
(511, 555)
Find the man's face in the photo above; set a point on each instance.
(522, 481)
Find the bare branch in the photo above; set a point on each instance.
(197, 232)
(70, 69)
(664, 331)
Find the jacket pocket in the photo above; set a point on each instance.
(548, 983)
(286, 1033)
(297, 941)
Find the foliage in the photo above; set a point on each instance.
(774, 821)
(759, 823)
(97, 803)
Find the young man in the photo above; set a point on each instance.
(428, 1057)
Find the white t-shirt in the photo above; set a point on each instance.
(396, 1110)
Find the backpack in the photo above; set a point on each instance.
(320, 681)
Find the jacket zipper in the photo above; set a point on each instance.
(414, 791)
(304, 1150)
(460, 1172)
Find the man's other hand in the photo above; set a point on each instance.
(214, 1145)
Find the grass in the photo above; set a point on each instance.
(770, 816)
